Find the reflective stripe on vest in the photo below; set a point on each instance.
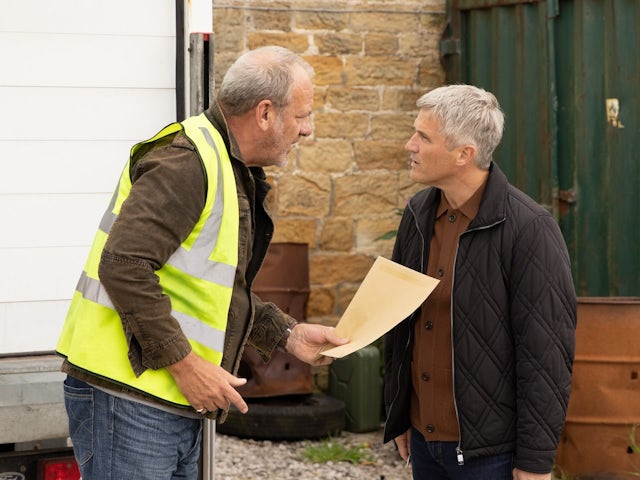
(198, 277)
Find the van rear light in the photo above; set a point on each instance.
(62, 468)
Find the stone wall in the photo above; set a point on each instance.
(343, 185)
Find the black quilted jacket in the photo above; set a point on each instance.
(513, 317)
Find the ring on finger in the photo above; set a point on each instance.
(201, 411)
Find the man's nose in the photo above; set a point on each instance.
(410, 145)
(305, 128)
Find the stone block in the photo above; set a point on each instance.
(340, 43)
(299, 230)
(330, 269)
(381, 44)
(276, 18)
(321, 301)
(365, 194)
(337, 234)
(408, 188)
(307, 195)
(341, 125)
(379, 155)
(401, 99)
(321, 20)
(369, 231)
(392, 126)
(436, 20)
(430, 72)
(345, 99)
(296, 42)
(326, 155)
(328, 70)
(319, 97)
(379, 71)
(415, 44)
(385, 21)
(344, 295)
(229, 38)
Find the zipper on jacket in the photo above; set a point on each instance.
(398, 374)
(459, 452)
(423, 267)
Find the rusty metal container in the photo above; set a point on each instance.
(605, 397)
(283, 280)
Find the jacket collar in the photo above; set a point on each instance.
(492, 206)
(216, 117)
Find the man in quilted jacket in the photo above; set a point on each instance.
(478, 379)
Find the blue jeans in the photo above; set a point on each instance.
(439, 461)
(116, 439)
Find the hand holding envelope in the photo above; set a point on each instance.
(388, 294)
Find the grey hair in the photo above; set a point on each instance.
(467, 115)
(265, 73)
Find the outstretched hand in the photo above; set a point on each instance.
(308, 340)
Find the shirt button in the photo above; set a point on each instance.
(428, 325)
(441, 272)
(452, 217)
(430, 428)
(426, 376)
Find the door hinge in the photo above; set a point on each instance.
(567, 196)
(450, 46)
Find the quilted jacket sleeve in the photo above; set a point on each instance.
(543, 319)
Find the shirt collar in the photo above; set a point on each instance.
(469, 209)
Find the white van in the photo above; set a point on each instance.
(81, 81)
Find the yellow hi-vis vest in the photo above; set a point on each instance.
(198, 277)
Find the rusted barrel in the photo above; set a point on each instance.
(283, 280)
(599, 437)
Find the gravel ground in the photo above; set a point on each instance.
(242, 459)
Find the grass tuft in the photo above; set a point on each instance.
(331, 451)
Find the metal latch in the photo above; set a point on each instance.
(450, 46)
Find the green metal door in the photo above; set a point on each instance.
(598, 62)
(567, 73)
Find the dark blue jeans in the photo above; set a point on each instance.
(438, 461)
(117, 439)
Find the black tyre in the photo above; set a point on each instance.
(293, 417)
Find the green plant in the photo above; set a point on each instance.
(634, 447)
(391, 233)
(559, 474)
(329, 450)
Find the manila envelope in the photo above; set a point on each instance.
(388, 294)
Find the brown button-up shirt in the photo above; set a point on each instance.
(432, 403)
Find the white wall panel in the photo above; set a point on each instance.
(19, 321)
(71, 60)
(143, 17)
(40, 274)
(50, 113)
(77, 166)
(81, 81)
(46, 220)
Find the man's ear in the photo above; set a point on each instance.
(265, 114)
(466, 154)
